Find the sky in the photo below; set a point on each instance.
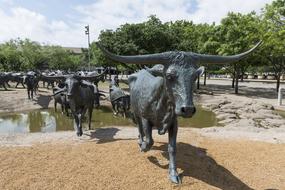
(62, 22)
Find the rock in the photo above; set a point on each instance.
(226, 121)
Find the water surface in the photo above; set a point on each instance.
(47, 120)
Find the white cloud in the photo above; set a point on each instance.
(110, 14)
(24, 23)
(107, 14)
(213, 11)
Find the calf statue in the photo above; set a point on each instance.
(60, 97)
(160, 94)
(119, 100)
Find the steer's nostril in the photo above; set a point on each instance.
(188, 110)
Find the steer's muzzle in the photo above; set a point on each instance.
(68, 95)
(187, 111)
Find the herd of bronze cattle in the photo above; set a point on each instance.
(157, 95)
(75, 92)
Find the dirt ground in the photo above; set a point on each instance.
(15, 100)
(101, 161)
(109, 158)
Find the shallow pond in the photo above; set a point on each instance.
(48, 120)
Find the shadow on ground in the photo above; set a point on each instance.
(43, 100)
(194, 162)
(252, 92)
(106, 135)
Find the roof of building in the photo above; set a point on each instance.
(75, 50)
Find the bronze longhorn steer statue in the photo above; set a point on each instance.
(160, 94)
(81, 95)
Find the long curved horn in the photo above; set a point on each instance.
(216, 59)
(158, 58)
(61, 77)
(91, 78)
(59, 91)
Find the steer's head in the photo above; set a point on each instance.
(179, 79)
(72, 86)
(179, 82)
(179, 70)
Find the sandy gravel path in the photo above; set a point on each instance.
(109, 158)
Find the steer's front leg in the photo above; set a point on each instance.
(77, 118)
(147, 129)
(28, 94)
(172, 135)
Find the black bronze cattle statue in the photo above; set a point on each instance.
(3, 80)
(101, 76)
(17, 78)
(82, 96)
(160, 94)
(31, 81)
(60, 97)
(45, 78)
(119, 100)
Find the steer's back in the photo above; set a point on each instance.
(145, 92)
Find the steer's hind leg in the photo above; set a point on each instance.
(138, 122)
(4, 86)
(55, 105)
(28, 94)
(66, 109)
(172, 135)
(32, 93)
(62, 108)
(8, 84)
(147, 128)
(77, 118)
(90, 110)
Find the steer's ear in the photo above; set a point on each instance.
(156, 70)
(200, 71)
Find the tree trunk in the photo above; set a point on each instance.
(278, 82)
(233, 81)
(198, 82)
(236, 85)
(242, 74)
(205, 78)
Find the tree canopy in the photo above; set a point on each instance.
(24, 55)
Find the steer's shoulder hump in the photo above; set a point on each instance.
(145, 81)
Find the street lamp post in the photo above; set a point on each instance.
(88, 34)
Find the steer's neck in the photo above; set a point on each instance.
(78, 96)
(165, 103)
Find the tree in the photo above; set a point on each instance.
(31, 53)
(59, 58)
(237, 33)
(11, 57)
(148, 37)
(274, 38)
